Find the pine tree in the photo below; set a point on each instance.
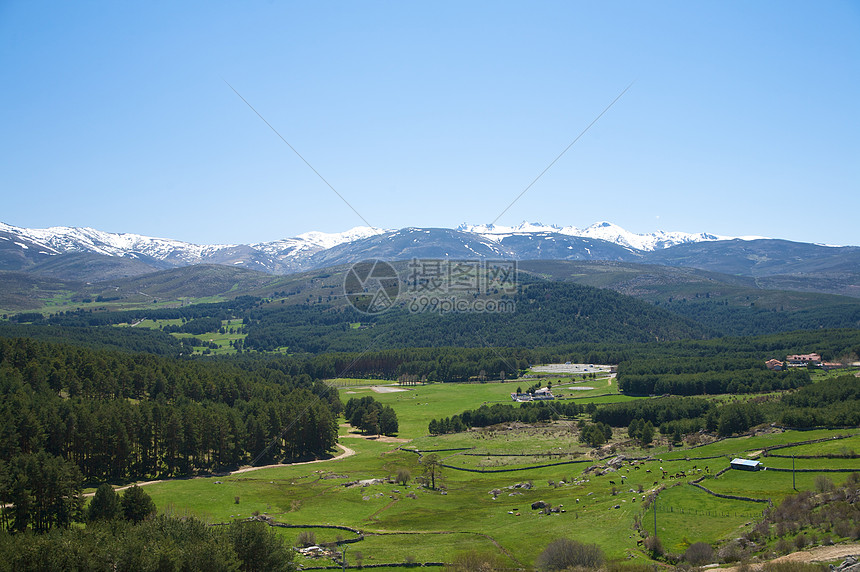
(105, 504)
(137, 506)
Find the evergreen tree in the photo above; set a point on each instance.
(105, 504)
(137, 506)
(646, 435)
(388, 421)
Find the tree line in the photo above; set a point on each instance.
(486, 415)
(72, 415)
(370, 416)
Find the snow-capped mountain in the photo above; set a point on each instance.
(600, 230)
(61, 239)
(285, 255)
(314, 241)
(33, 249)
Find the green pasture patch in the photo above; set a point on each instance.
(773, 485)
(321, 535)
(812, 464)
(740, 446)
(422, 547)
(157, 324)
(686, 514)
(821, 375)
(849, 445)
(416, 406)
(604, 399)
(357, 382)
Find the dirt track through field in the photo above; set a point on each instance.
(819, 554)
(347, 452)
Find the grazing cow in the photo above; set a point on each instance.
(655, 483)
(611, 482)
(636, 467)
(640, 542)
(647, 470)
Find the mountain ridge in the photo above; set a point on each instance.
(63, 239)
(90, 255)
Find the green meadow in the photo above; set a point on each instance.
(489, 506)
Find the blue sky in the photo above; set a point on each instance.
(743, 118)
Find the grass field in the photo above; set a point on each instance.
(416, 406)
(486, 510)
(223, 341)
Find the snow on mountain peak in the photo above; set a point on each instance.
(328, 240)
(602, 230)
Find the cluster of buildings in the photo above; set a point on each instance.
(800, 360)
(537, 395)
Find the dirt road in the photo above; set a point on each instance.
(819, 554)
(347, 452)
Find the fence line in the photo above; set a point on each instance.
(731, 497)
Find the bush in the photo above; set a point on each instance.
(731, 552)
(306, 538)
(403, 476)
(565, 553)
(474, 561)
(823, 484)
(699, 553)
(800, 541)
(654, 546)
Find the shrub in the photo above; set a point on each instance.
(654, 546)
(800, 541)
(699, 553)
(842, 528)
(731, 552)
(403, 476)
(474, 561)
(823, 484)
(306, 538)
(564, 553)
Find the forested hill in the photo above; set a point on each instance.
(541, 314)
(127, 339)
(117, 416)
(545, 314)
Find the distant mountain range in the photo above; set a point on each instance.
(89, 255)
(528, 240)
